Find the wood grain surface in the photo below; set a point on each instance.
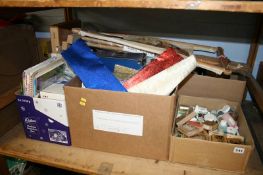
(210, 5)
(86, 161)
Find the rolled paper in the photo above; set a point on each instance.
(165, 60)
(165, 81)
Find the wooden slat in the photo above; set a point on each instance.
(233, 6)
(81, 160)
(8, 97)
(260, 74)
(255, 42)
(255, 90)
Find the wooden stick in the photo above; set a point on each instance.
(101, 42)
(107, 47)
(180, 44)
(144, 47)
(216, 69)
(186, 118)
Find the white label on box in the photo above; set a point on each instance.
(239, 150)
(118, 122)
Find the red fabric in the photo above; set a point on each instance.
(163, 61)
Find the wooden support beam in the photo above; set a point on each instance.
(68, 14)
(255, 43)
(255, 90)
(260, 74)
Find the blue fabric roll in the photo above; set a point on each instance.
(89, 68)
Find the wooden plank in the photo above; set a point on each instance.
(255, 91)
(255, 42)
(15, 144)
(8, 97)
(233, 6)
(260, 74)
(68, 14)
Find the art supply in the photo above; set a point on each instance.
(123, 73)
(160, 63)
(167, 80)
(210, 125)
(30, 75)
(186, 118)
(224, 110)
(90, 69)
(230, 121)
(189, 130)
(210, 117)
(222, 129)
(200, 110)
(54, 91)
(222, 126)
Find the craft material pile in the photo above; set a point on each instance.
(219, 125)
(127, 63)
(168, 62)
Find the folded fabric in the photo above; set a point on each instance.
(89, 68)
(163, 61)
(165, 82)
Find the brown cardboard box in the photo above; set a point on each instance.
(59, 32)
(204, 86)
(206, 153)
(156, 112)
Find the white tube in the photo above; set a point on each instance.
(165, 81)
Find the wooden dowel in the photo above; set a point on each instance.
(180, 44)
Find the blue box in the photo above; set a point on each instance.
(44, 119)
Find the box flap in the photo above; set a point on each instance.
(204, 86)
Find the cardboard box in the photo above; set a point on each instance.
(59, 32)
(204, 153)
(44, 119)
(118, 122)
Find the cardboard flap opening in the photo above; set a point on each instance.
(204, 86)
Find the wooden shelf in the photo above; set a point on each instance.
(209, 5)
(86, 161)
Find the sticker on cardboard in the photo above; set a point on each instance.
(118, 122)
(239, 150)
